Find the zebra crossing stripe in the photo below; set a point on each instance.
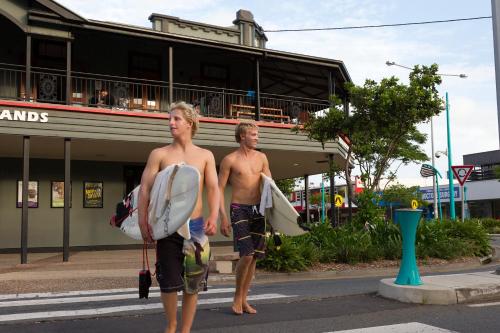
(70, 293)
(86, 299)
(399, 328)
(127, 308)
(83, 293)
(481, 305)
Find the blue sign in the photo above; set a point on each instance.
(444, 193)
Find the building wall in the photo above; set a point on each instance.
(483, 190)
(205, 33)
(88, 226)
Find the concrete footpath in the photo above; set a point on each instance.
(445, 289)
(450, 288)
(90, 270)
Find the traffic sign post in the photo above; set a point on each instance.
(462, 173)
(427, 171)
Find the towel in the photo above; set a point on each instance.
(266, 197)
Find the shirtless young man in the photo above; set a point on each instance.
(242, 169)
(171, 274)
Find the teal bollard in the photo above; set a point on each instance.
(408, 221)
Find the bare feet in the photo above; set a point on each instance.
(237, 309)
(248, 309)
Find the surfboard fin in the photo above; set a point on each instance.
(301, 224)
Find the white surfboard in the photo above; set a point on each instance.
(282, 216)
(172, 200)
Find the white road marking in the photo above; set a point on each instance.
(70, 293)
(399, 328)
(116, 309)
(483, 304)
(86, 299)
(83, 293)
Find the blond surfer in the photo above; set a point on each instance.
(242, 169)
(174, 271)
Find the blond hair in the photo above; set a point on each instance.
(188, 113)
(242, 128)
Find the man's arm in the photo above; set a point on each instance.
(147, 180)
(265, 168)
(213, 195)
(224, 171)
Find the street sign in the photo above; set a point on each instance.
(427, 171)
(338, 200)
(414, 204)
(462, 172)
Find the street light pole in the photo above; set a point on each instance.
(435, 188)
(450, 173)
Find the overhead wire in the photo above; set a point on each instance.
(381, 25)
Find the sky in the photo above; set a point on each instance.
(461, 47)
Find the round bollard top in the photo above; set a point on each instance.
(407, 215)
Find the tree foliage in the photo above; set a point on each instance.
(382, 127)
(286, 185)
(403, 195)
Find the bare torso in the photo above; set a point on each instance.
(194, 156)
(245, 176)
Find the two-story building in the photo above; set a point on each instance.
(83, 102)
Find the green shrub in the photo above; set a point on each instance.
(285, 258)
(368, 211)
(491, 225)
(376, 240)
(386, 239)
(451, 239)
(353, 245)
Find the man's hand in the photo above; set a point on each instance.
(146, 232)
(210, 226)
(225, 227)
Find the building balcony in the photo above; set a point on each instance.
(140, 95)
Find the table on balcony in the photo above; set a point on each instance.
(273, 114)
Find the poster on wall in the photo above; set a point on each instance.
(57, 195)
(32, 194)
(93, 194)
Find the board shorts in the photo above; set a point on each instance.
(183, 264)
(249, 230)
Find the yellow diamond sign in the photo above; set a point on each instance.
(338, 200)
(414, 204)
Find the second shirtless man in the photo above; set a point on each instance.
(242, 168)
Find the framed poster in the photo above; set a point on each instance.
(57, 194)
(93, 193)
(32, 194)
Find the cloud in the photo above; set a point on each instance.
(134, 12)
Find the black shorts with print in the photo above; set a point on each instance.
(249, 228)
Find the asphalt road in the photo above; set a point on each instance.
(305, 306)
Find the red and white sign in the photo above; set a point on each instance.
(358, 185)
(462, 172)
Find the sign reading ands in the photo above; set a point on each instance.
(32, 116)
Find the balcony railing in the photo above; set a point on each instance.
(482, 174)
(122, 93)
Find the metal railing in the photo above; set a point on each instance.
(12, 82)
(482, 174)
(131, 94)
(119, 92)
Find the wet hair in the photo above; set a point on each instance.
(188, 113)
(242, 128)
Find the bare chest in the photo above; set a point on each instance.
(189, 159)
(251, 167)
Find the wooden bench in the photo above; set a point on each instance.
(238, 110)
